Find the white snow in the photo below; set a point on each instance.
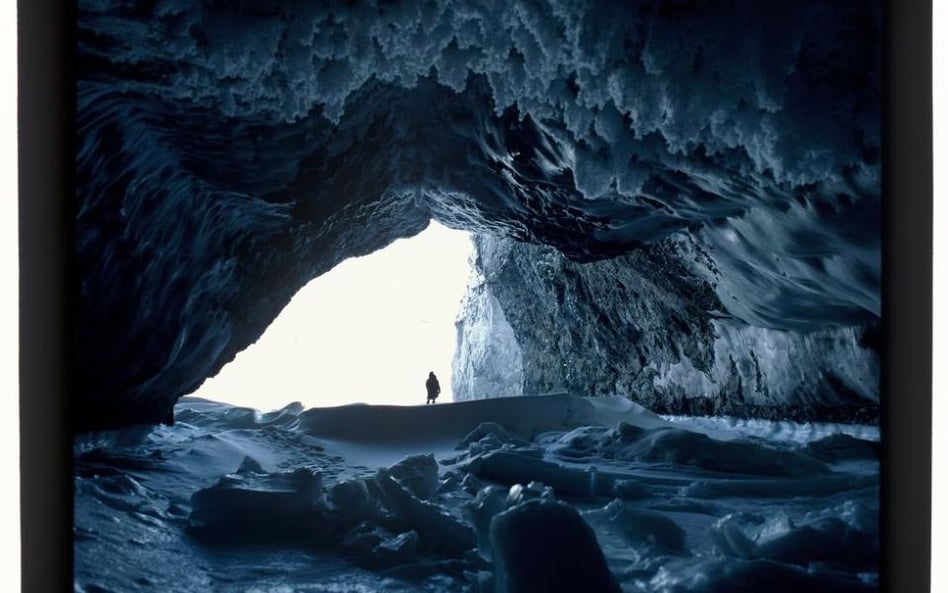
(468, 496)
(341, 321)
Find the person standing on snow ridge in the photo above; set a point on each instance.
(433, 387)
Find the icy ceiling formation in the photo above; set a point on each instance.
(230, 152)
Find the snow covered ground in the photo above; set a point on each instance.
(549, 493)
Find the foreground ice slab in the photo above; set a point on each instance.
(544, 546)
(253, 506)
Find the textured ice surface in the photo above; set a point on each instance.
(252, 505)
(649, 325)
(229, 153)
(544, 545)
(669, 445)
(775, 431)
(233, 500)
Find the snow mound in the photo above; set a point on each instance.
(523, 417)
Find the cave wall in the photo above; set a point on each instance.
(227, 153)
(488, 360)
(649, 326)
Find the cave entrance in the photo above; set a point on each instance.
(369, 330)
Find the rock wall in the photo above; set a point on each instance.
(649, 326)
(487, 361)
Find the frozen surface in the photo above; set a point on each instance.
(517, 494)
(778, 431)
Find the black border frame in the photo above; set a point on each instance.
(46, 131)
(907, 260)
(46, 136)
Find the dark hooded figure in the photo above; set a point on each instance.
(433, 388)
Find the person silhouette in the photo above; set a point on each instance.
(433, 387)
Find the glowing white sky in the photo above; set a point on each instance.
(369, 330)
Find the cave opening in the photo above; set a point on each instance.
(367, 331)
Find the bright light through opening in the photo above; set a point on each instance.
(369, 330)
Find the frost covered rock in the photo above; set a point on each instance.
(512, 468)
(544, 546)
(640, 527)
(857, 514)
(629, 489)
(488, 502)
(491, 436)
(438, 529)
(370, 546)
(657, 325)
(417, 473)
(695, 449)
(515, 467)
(830, 541)
(250, 466)
(775, 487)
(253, 506)
(493, 431)
(685, 447)
(754, 576)
(351, 501)
(533, 490)
(730, 538)
(493, 499)
(398, 550)
(361, 541)
(842, 446)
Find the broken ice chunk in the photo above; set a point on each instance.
(352, 502)
(491, 432)
(629, 489)
(417, 473)
(640, 527)
(519, 493)
(488, 502)
(512, 468)
(544, 545)
(398, 550)
(251, 506)
(730, 539)
(439, 530)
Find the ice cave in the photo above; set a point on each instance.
(713, 168)
(667, 369)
